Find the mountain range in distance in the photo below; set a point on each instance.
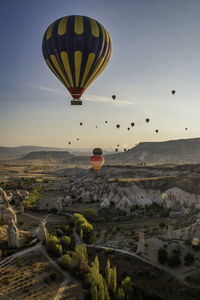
(173, 151)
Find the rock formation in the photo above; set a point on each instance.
(42, 232)
(8, 215)
(58, 204)
(141, 247)
(170, 232)
(13, 235)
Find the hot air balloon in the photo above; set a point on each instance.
(69, 143)
(97, 151)
(81, 124)
(116, 150)
(97, 159)
(96, 126)
(156, 130)
(77, 50)
(117, 126)
(118, 145)
(173, 92)
(113, 97)
(106, 122)
(77, 139)
(132, 124)
(128, 128)
(147, 120)
(186, 129)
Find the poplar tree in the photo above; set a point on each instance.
(108, 272)
(113, 281)
(120, 294)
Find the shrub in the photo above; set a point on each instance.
(189, 258)
(162, 255)
(174, 260)
(65, 242)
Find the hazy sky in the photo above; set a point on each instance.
(156, 48)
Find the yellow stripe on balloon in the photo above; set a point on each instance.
(107, 58)
(62, 27)
(90, 61)
(78, 25)
(106, 34)
(65, 60)
(52, 69)
(94, 27)
(101, 60)
(58, 68)
(77, 64)
(49, 31)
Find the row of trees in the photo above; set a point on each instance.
(60, 241)
(174, 259)
(84, 228)
(98, 286)
(34, 195)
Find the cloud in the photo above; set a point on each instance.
(95, 98)
(44, 88)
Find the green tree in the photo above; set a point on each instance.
(108, 273)
(101, 290)
(174, 260)
(113, 280)
(94, 292)
(65, 242)
(127, 286)
(162, 255)
(120, 294)
(189, 258)
(67, 262)
(106, 293)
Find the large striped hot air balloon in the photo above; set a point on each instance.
(97, 160)
(76, 49)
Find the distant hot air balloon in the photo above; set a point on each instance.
(118, 145)
(173, 92)
(81, 124)
(77, 50)
(97, 159)
(132, 124)
(69, 143)
(97, 151)
(113, 97)
(128, 128)
(156, 130)
(147, 120)
(106, 122)
(117, 126)
(77, 139)
(116, 150)
(186, 129)
(96, 126)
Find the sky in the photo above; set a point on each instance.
(156, 48)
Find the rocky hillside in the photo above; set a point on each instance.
(177, 151)
(44, 155)
(18, 152)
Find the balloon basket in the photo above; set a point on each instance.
(76, 102)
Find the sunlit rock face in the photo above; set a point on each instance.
(3, 196)
(8, 215)
(178, 200)
(124, 195)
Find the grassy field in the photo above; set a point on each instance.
(29, 278)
